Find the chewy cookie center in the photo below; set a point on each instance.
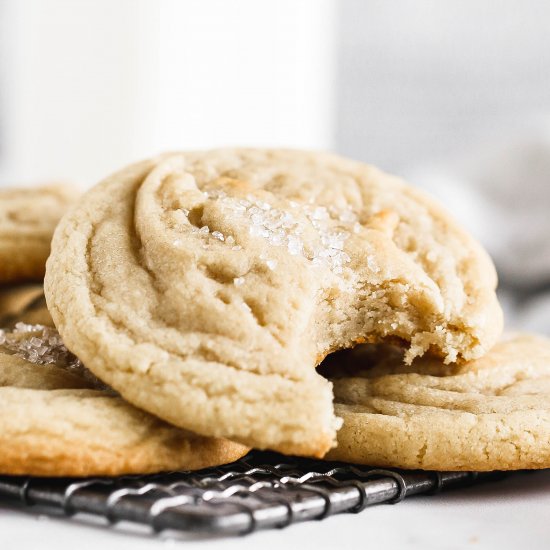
(238, 237)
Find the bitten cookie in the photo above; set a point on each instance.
(489, 414)
(27, 220)
(206, 286)
(57, 419)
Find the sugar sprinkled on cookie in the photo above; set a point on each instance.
(43, 345)
(206, 286)
(37, 344)
(57, 419)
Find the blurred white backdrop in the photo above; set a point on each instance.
(420, 81)
(90, 85)
(453, 95)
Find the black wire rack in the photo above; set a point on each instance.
(260, 491)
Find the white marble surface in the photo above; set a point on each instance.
(503, 515)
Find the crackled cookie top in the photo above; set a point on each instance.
(28, 217)
(206, 286)
(492, 413)
(58, 419)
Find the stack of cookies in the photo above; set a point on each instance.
(195, 297)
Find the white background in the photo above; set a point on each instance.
(91, 85)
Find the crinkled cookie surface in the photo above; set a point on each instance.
(28, 218)
(492, 413)
(57, 419)
(206, 286)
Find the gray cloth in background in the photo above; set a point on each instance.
(501, 193)
(420, 82)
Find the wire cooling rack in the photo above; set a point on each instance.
(260, 491)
